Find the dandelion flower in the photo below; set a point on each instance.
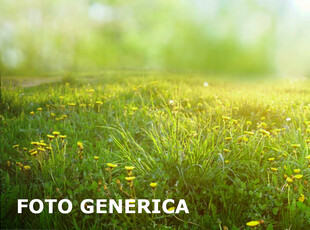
(31, 113)
(62, 136)
(99, 102)
(274, 169)
(226, 118)
(96, 158)
(295, 145)
(56, 133)
(299, 176)
(301, 198)
(130, 178)
(171, 209)
(289, 180)
(111, 165)
(50, 137)
(129, 168)
(39, 109)
(226, 150)
(15, 146)
(296, 170)
(80, 145)
(271, 159)
(26, 167)
(253, 223)
(153, 185)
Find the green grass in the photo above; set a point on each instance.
(175, 132)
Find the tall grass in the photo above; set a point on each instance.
(212, 146)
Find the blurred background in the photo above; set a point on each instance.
(213, 36)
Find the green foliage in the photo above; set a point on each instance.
(166, 35)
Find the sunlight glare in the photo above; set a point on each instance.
(303, 5)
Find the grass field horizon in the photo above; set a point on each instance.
(236, 149)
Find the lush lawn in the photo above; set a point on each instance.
(229, 149)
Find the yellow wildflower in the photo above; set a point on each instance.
(111, 165)
(56, 133)
(301, 198)
(153, 185)
(96, 158)
(274, 169)
(299, 176)
(50, 137)
(129, 168)
(271, 159)
(253, 223)
(80, 145)
(289, 180)
(295, 145)
(296, 170)
(130, 178)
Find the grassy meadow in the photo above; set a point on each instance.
(236, 150)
